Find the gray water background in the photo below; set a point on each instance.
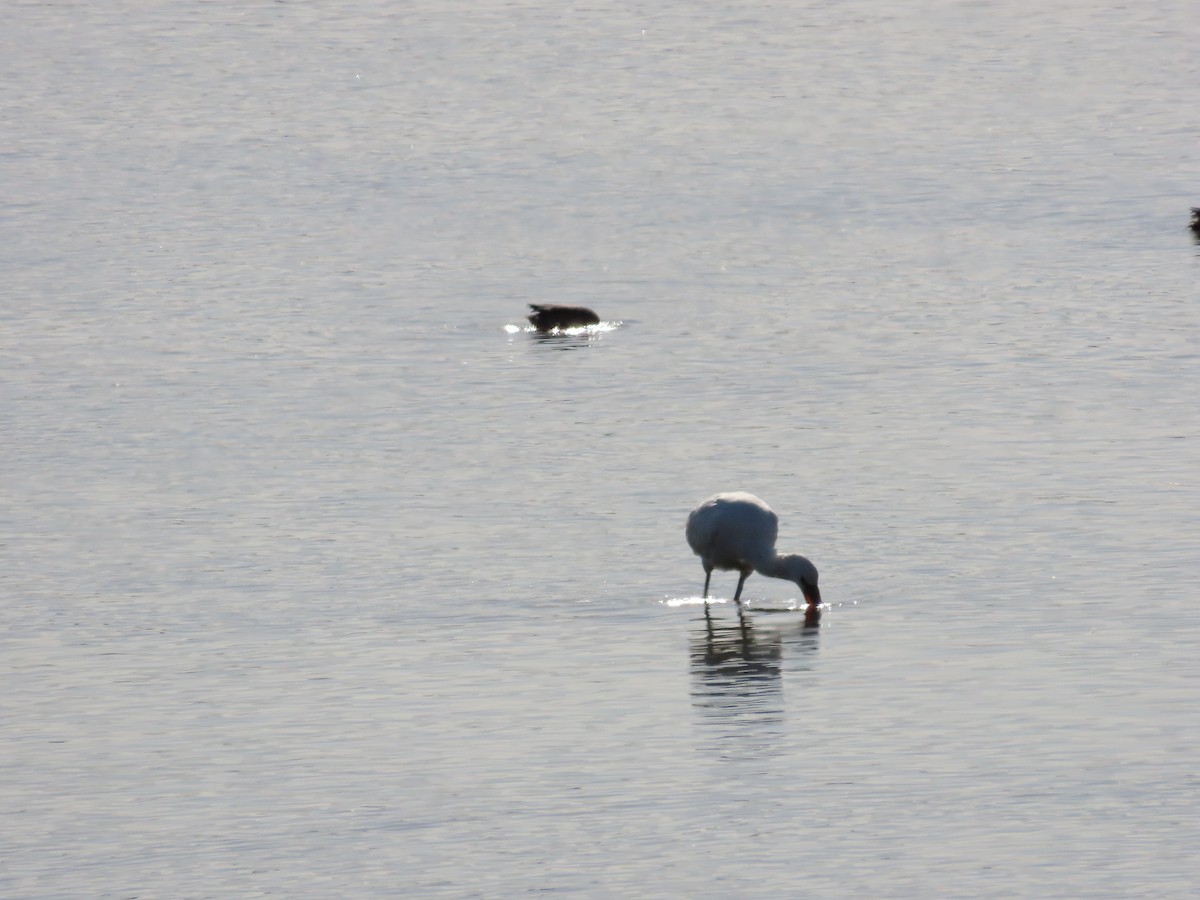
(317, 580)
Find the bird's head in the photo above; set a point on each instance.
(804, 573)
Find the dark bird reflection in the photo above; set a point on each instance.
(565, 340)
(737, 673)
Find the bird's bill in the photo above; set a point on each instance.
(812, 593)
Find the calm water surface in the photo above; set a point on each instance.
(316, 580)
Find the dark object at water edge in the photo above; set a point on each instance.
(548, 316)
(1195, 223)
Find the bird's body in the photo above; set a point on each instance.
(551, 316)
(736, 532)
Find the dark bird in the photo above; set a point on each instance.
(551, 316)
(736, 532)
(1195, 223)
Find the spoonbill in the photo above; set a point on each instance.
(548, 316)
(736, 532)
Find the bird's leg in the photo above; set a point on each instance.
(737, 598)
(707, 576)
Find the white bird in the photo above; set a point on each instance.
(736, 532)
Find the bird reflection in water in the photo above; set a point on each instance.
(574, 339)
(579, 338)
(737, 680)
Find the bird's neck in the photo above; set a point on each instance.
(773, 566)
